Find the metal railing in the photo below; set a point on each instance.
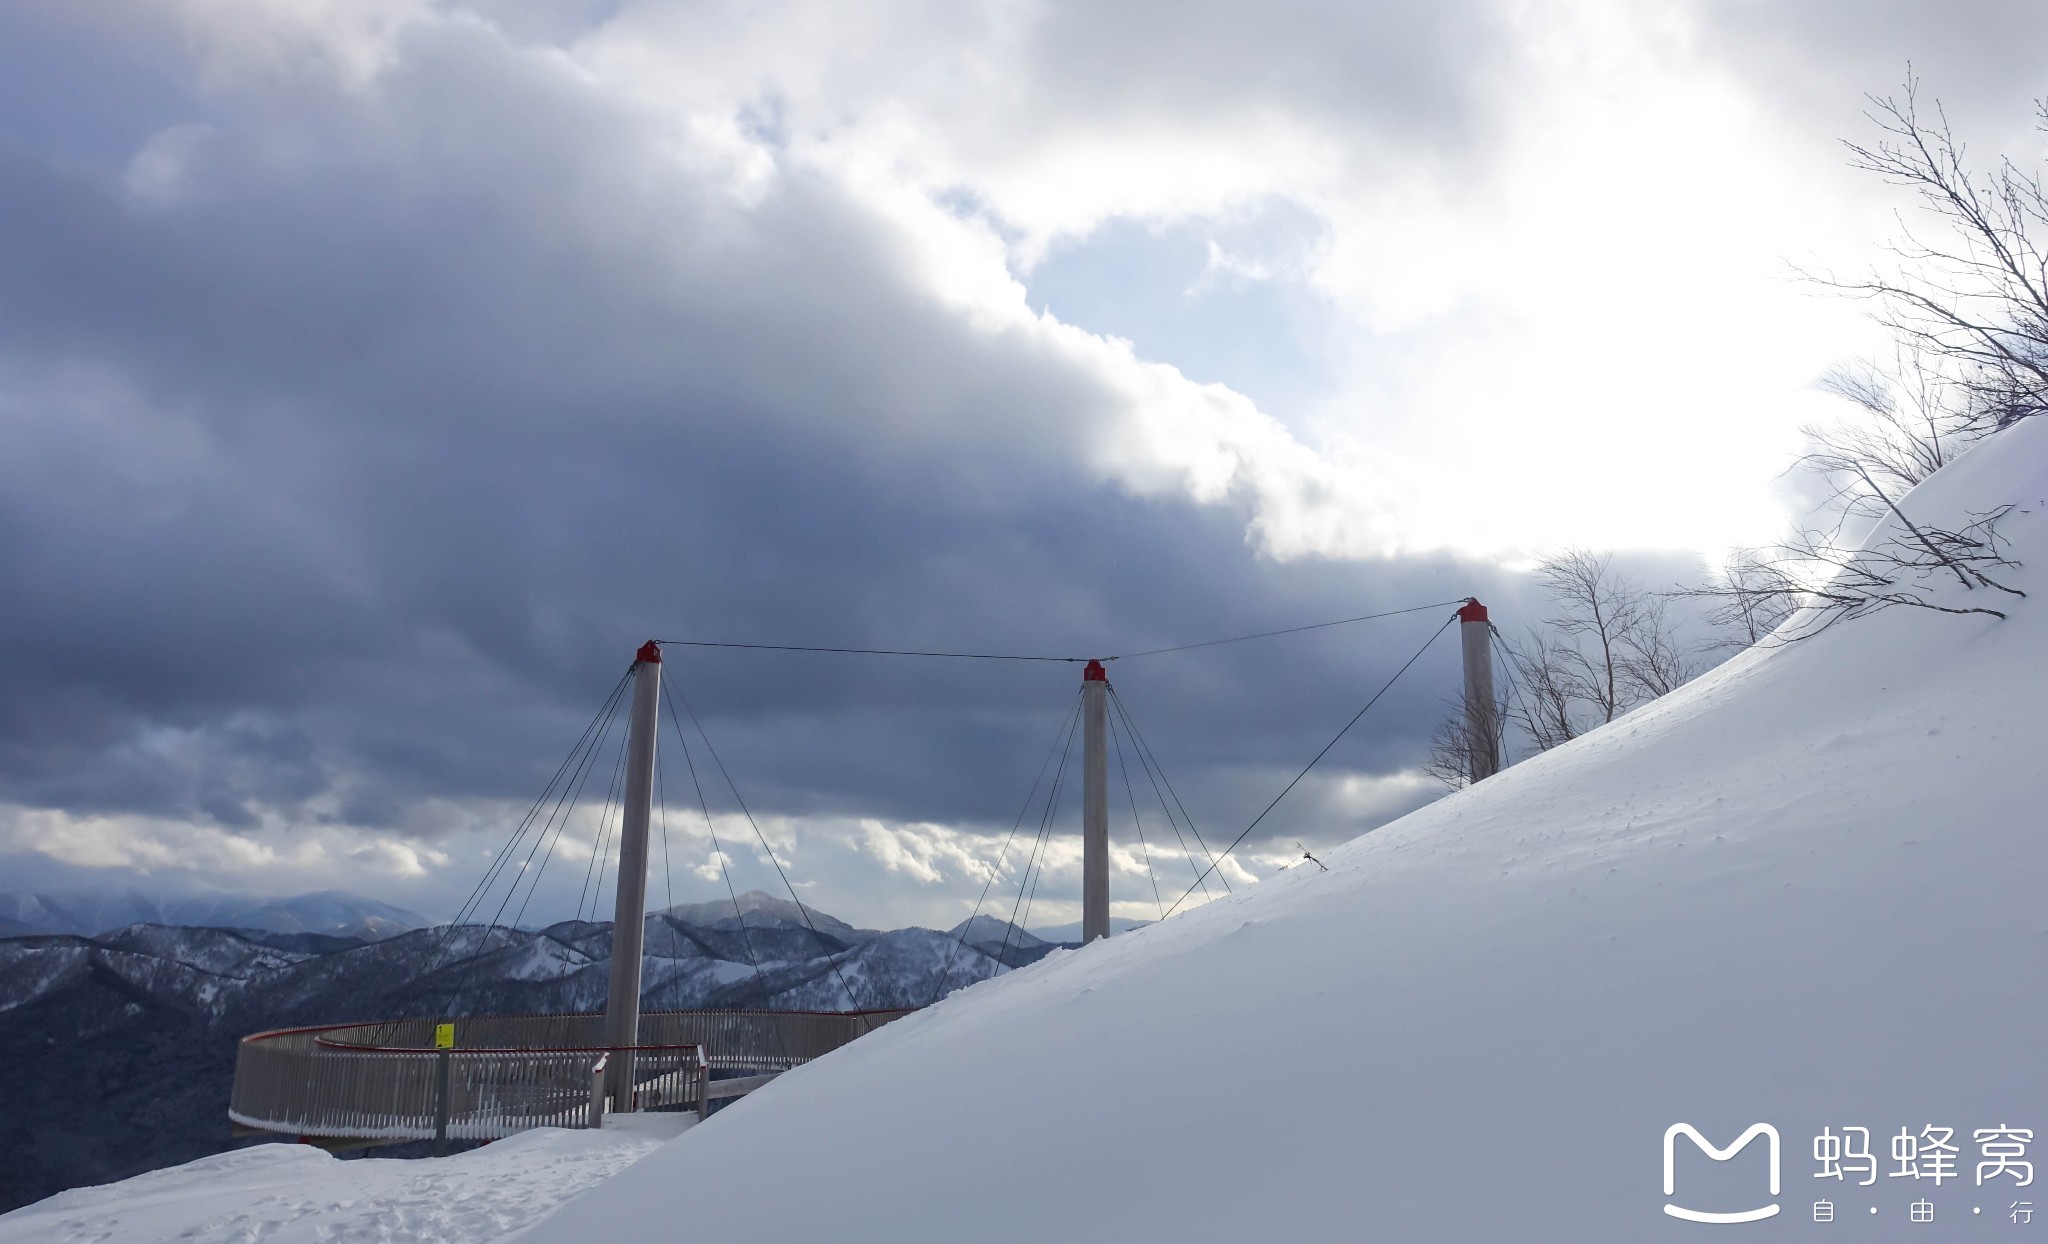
(736, 1040)
(508, 1073)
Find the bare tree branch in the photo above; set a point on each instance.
(1752, 598)
(1597, 608)
(1653, 663)
(1975, 296)
(1548, 691)
(1815, 573)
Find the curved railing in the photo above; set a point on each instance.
(735, 1040)
(505, 1074)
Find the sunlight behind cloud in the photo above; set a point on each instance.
(1578, 330)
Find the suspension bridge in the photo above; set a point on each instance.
(445, 1079)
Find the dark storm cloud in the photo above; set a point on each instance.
(351, 463)
(72, 91)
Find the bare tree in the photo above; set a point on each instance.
(1909, 420)
(1900, 565)
(1967, 306)
(1547, 690)
(1752, 598)
(1597, 610)
(1609, 646)
(1451, 746)
(1449, 759)
(1972, 292)
(1653, 661)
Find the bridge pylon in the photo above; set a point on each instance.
(1094, 802)
(629, 928)
(1482, 712)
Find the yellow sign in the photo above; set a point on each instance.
(444, 1036)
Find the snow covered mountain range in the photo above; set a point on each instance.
(141, 1022)
(331, 912)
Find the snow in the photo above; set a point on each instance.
(993, 930)
(1072, 932)
(333, 912)
(777, 910)
(32, 967)
(29, 967)
(1804, 890)
(297, 1194)
(540, 959)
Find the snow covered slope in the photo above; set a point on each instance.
(1806, 890)
(1072, 932)
(296, 1194)
(304, 1195)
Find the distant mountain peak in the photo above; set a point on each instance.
(758, 902)
(985, 929)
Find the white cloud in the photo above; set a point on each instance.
(716, 866)
(1365, 799)
(1569, 316)
(270, 859)
(904, 851)
(239, 39)
(1557, 235)
(1567, 313)
(156, 173)
(394, 858)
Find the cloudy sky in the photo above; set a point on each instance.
(376, 374)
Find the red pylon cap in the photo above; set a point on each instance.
(1094, 672)
(650, 652)
(1473, 611)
